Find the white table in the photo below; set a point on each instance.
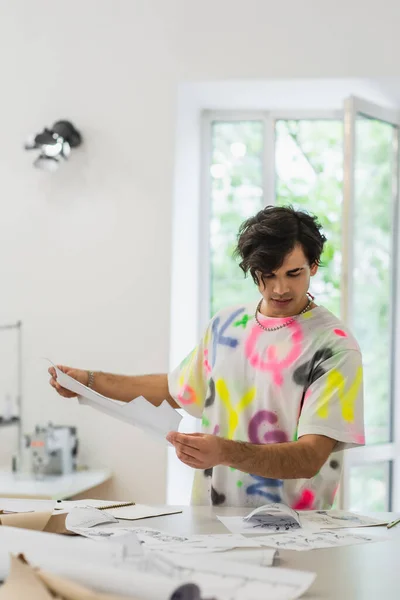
(363, 572)
(54, 487)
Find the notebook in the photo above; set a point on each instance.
(120, 510)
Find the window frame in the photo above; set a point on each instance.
(387, 452)
(390, 451)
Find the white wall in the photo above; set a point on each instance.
(85, 253)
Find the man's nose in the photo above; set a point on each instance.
(280, 288)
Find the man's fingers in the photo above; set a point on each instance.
(186, 450)
(62, 391)
(64, 369)
(55, 384)
(187, 440)
(171, 437)
(192, 452)
(183, 455)
(188, 460)
(65, 393)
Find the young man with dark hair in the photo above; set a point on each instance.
(278, 386)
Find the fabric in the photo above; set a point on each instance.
(247, 384)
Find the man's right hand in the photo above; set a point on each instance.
(78, 374)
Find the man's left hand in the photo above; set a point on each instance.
(198, 450)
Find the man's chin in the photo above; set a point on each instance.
(281, 309)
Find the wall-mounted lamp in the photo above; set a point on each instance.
(54, 144)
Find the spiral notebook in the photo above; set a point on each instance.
(120, 510)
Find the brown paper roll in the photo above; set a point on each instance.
(26, 582)
(32, 520)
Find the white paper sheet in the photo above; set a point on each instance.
(152, 577)
(231, 580)
(131, 545)
(253, 526)
(101, 533)
(336, 519)
(153, 539)
(158, 538)
(87, 517)
(157, 421)
(223, 541)
(258, 558)
(301, 540)
(311, 520)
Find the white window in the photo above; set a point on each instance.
(342, 166)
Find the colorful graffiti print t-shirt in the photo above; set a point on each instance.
(267, 387)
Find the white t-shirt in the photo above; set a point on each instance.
(264, 387)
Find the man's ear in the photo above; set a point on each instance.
(313, 269)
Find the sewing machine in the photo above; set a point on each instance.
(52, 450)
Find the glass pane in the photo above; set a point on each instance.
(372, 268)
(309, 175)
(236, 194)
(370, 487)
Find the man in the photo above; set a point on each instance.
(278, 386)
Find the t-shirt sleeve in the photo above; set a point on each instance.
(188, 382)
(334, 404)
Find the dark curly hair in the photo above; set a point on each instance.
(265, 239)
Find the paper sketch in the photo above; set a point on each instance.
(336, 519)
(153, 539)
(87, 517)
(301, 540)
(280, 518)
(275, 516)
(258, 525)
(231, 580)
(157, 421)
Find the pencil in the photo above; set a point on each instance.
(393, 523)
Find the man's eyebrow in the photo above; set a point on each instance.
(294, 270)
